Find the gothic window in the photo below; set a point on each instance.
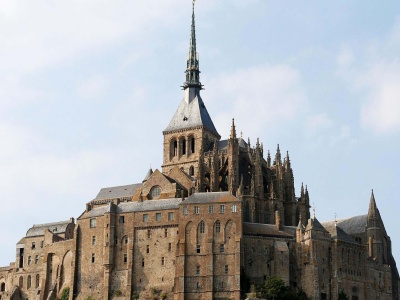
(29, 282)
(155, 192)
(21, 282)
(202, 227)
(37, 280)
(191, 171)
(175, 149)
(3, 287)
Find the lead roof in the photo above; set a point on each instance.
(56, 227)
(118, 191)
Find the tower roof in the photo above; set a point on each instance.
(373, 211)
(192, 114)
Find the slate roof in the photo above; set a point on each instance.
(210, 197)
(223, 144)
(338, 233)
(126, 207)
(192, 114)
(39, 229)
(352, 225)
(118, 191)
(314, 224)
(257, 229)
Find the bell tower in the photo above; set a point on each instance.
(191, 132)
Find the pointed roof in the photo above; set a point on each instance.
(373, 211)
(314, 224)
(149, 172)
(190, 115)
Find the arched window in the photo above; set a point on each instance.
(3, 287)
(29, 282)
(183, 146)
(191, 171)
(202, 227)
(192, 145)
(37, 280)
(21, 282)
(217, 227)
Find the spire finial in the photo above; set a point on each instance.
(335, 219)
(313, 208)
(192, 67)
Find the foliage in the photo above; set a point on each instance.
(65, 294)
(118, 293)
(163, 296)
(274, 288)
(135, 296)
(89, 298)
(342, 296)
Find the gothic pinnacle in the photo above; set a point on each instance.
(233, 130)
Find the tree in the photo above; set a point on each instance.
(342, 296)
(274, 288)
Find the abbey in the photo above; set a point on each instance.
(221, 214)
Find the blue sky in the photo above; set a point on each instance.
(88, 86)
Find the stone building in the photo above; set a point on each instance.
(221, 214)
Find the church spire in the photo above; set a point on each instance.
(192, 66)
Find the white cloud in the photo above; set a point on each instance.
(261, 96)
(374, 73)
(317, 123)
(381, 112)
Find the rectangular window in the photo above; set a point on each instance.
(221, 248)
(36, 259)
(196, 210)
(93, 240)
(169, 247)
(147, 249)
(158, 217)
(185, 212)
(33, 245)
(197, 270)
(126, 240)
(143, 262)
(222, 208)
(226, 269)
(211, 209)
(234, 208)
(148, 233)
(29, 260)
(145, 218)
(171, 216)
(198, 248)
(162, 261)
(165, 232)
(121, 220)
(125, 258)
(41, 244)
(92, 222)
(93, 258)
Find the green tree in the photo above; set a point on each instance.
(274, 288)
(342, 296)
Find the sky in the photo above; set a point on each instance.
(87, 87)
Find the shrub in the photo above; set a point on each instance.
(65, 294)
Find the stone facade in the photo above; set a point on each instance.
(219, 216)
